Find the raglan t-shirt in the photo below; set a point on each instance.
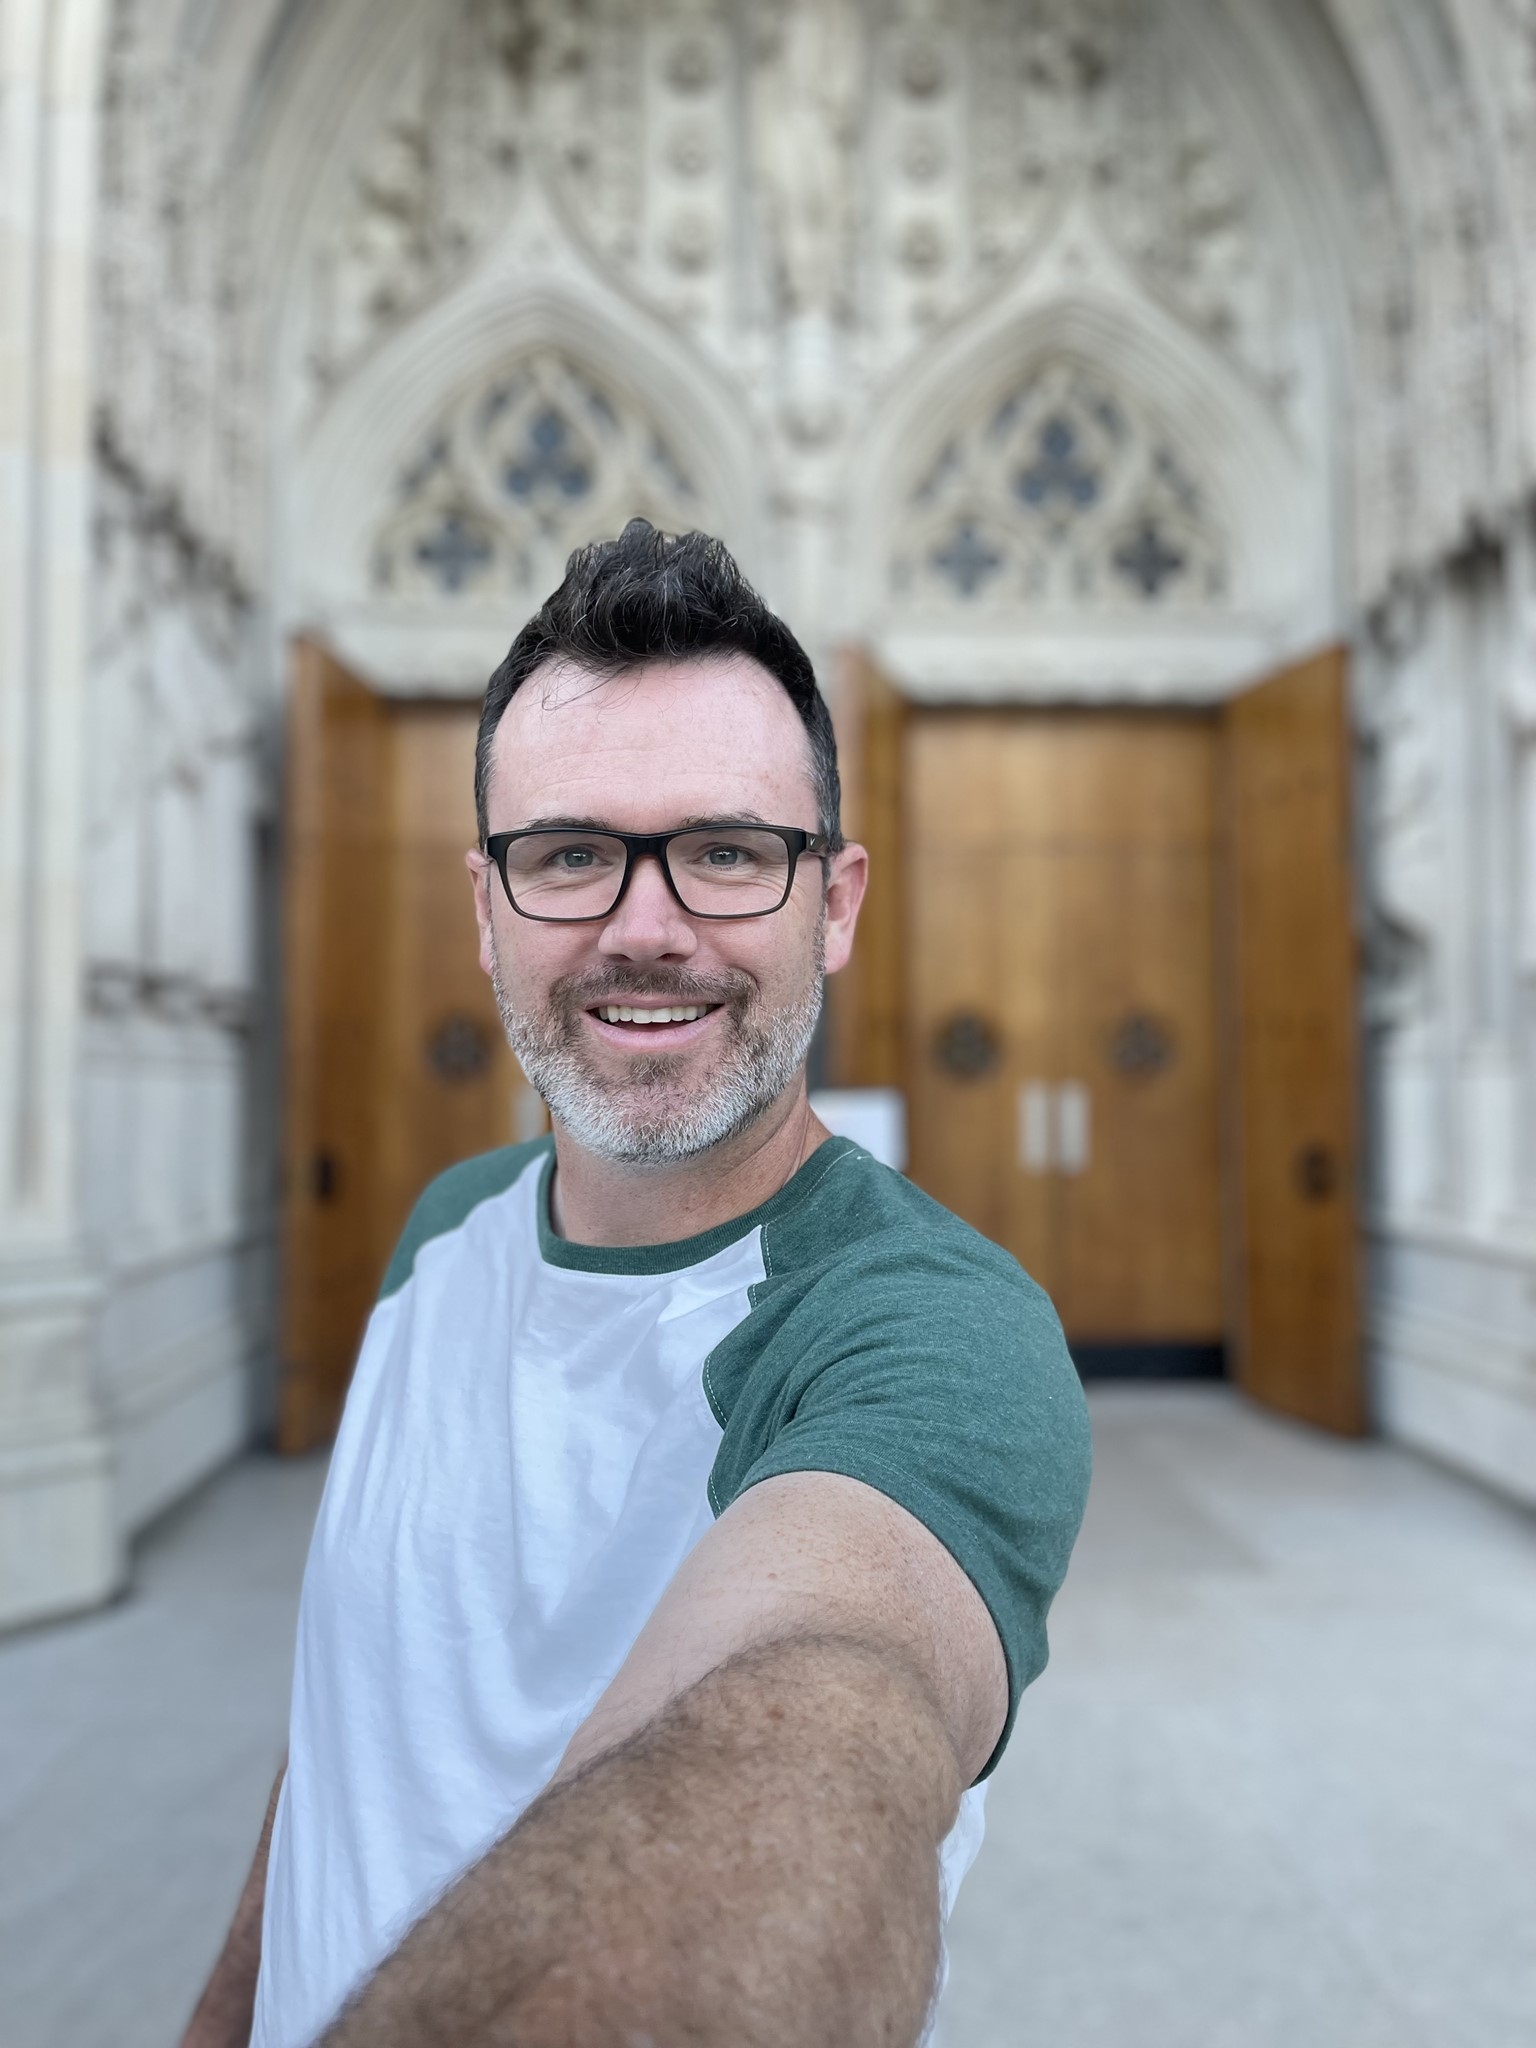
(536, 1435)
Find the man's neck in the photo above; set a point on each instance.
(599, 1202)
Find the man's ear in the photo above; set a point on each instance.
(847, 879)
(481, 874)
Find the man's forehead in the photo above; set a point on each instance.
(727, 682)
(719, 727)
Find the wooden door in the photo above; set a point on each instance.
(449, 1085)
(1134, 887)
(395, 1061)
(336, 836)
(867, 1022)
(1061, 998)
(1290, 1009)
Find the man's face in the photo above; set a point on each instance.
(671, 744)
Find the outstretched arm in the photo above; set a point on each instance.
(741, 1845)
(224, 2012)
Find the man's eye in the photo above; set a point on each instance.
(727, 857)
(573, 860)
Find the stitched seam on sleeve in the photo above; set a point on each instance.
(715, 1406)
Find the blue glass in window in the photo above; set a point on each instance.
(966, 560)
(1148, 561)
(1003, 419)
(601, 410)
(455, 552)
(433, 457)
(1058, 474)
(549, 460)
(949, 464)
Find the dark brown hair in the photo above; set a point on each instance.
(651, 596)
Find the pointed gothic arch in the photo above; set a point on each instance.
(442, 486)
(1076, 497)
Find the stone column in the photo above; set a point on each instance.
(58, 1544)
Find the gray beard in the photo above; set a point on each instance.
(644, 1120)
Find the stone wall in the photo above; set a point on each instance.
(179, 798)
(1448, 783)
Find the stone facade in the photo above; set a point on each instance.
(1055, 349)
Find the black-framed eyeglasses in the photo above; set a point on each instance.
(565, 874)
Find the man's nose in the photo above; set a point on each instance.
(649, 923)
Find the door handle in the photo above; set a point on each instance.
(1055, 1127)
(1036, 1150)
(1074, 1127)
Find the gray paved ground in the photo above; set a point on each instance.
(1278, 1786)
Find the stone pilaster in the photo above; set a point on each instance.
(58, 1547)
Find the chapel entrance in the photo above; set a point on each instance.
(1109, 960)
(1108, 957)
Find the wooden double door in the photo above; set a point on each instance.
(1061, 1001)
(1109, 959)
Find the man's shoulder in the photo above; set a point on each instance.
(862, 1218)
(447, 1202)
(864, 1265)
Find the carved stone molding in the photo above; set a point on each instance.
(805, 165)
(500, 91)
(175, 331)
(996, 115)
(176, 778)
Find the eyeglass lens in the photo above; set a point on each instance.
(729, 873)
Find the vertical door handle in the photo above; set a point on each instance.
(1074, 1127)
(1035, 1147)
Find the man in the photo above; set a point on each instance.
(703, 1486)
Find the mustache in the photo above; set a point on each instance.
(732, 987)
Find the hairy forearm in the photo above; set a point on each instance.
(225, 2010)
(757, 1866)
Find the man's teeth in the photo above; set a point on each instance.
(625, 1013)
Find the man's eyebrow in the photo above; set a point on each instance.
(698, 822)
(722, 818)
(560, 821)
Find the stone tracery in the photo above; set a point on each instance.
(510, 477)
(1063, 494)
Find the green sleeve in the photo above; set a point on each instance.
(447, 1201)
(938, 1374)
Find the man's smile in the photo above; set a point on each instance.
(626, 1013)
(658, 1026)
